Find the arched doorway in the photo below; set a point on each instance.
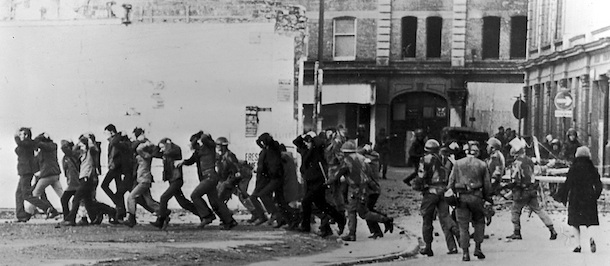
(411, 111)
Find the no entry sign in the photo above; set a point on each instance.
(564, 100)
(564, 103)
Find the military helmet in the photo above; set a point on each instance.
(348, 147)
(222, 141)
(495, 143)
(431, 145)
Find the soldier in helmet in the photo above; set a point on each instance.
(356, 172)
(496, 163)
(434, 169)
(525, 191)
(469, 179)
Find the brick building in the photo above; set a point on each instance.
(569, 53)
(403, 65)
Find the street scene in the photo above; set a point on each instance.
(304, 132)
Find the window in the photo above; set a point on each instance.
(559, 21)
(434, 27)
(344, 38)
(409, 36)
(518, 34)
(491, 37)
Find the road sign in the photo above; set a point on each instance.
(563, 113)
(520, 109)
(564, 100)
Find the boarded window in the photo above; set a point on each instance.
(518, 36)
(434, 28)
(344, 38)
(409, 36)
(491, 37)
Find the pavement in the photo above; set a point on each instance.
(534, 249)
(396, 245)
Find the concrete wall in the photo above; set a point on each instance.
(491, 104)
(179, 78)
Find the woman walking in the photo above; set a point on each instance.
(580, 193)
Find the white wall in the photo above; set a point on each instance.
(585, 16)
(491, 104)
(67, 80)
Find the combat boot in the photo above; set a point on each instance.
(427, 250)
(515, 235)
(553, 233)
(131, 220)
(466, 255)
(477, 251)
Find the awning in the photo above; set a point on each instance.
(339, 93)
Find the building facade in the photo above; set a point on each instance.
(403, 65)
(569, 54)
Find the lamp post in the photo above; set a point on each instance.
(317, 104)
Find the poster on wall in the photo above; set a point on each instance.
(251, 121)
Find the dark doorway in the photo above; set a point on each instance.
(411, 111)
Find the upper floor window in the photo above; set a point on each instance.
(409, 36)
(434, 30)
(491, 37)
(344, 38)
(518, 36)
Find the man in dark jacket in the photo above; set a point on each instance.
(313, 166)
(116, 149)
(26, 167)
(382, 146)
(269, 183)
(206, 155)
(170, 153)
(470, 180)
(48, 175)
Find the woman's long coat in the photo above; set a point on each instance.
(580, 192)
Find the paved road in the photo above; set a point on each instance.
(534, 249)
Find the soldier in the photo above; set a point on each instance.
(496, 163)
(434, 169)
(356, 172)
(525, 192)
(470, 180)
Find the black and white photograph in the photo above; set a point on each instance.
(304, 132)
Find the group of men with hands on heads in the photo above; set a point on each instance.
(340, 180)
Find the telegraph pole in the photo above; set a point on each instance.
(317, 104)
